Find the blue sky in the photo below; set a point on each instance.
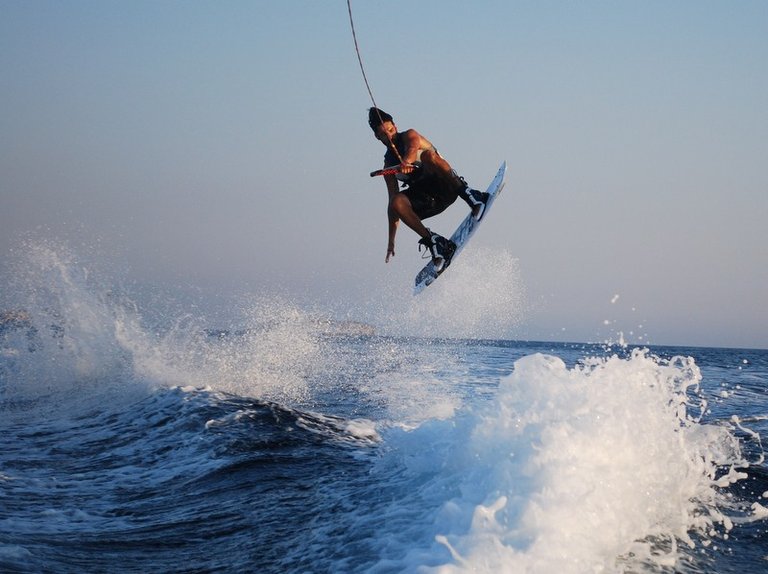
(222, 147)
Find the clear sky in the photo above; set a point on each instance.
(222, 147)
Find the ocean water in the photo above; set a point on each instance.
(292, 443)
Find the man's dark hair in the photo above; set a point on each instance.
(376, 117)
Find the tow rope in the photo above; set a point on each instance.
(365, 78)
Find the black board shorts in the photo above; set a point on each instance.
(428, 197)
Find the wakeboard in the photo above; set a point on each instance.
(462, 234)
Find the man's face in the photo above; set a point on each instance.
(385, 132)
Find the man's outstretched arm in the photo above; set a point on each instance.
(392, 189)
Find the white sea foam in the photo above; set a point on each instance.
(86, 340)
(79, 333)
(69, 337)
(604, 467)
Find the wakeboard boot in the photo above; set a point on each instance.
(440, 248)
(476, 200)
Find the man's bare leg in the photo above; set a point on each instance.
(400, 205)
(441, 249)
(435, 166)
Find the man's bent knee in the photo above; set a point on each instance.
(433, 163)
(430, 157)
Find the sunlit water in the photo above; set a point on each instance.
(291, 444)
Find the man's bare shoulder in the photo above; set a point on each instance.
(411, 135)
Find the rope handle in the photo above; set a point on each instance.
(390, 170)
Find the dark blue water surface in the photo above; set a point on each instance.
(370, 450)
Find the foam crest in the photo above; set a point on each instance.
(603, 467)
(65, 330)
(66, 333)
(270, 356)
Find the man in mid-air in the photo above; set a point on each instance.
(430, 183)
